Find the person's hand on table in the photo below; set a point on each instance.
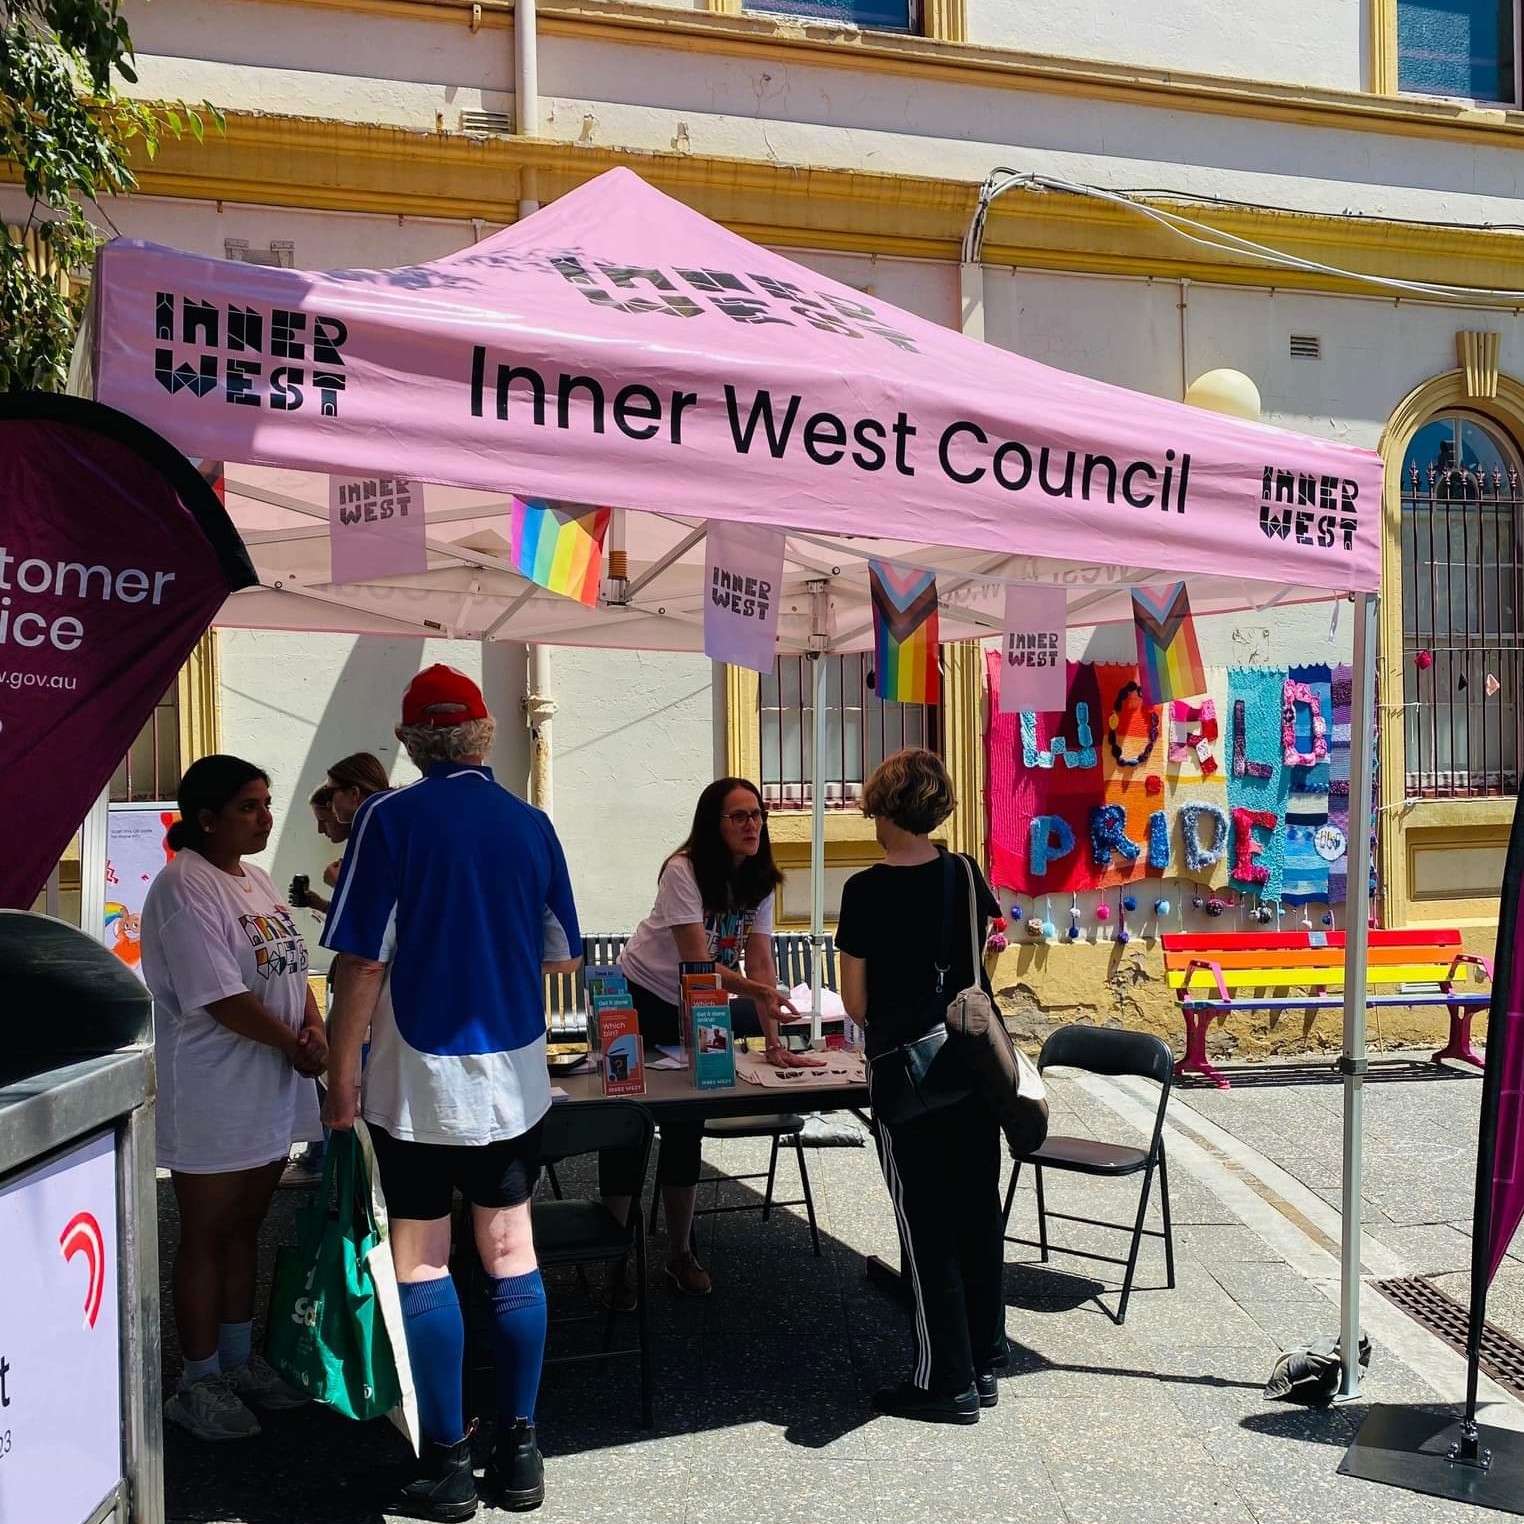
(341, 1104)
(781, 1058)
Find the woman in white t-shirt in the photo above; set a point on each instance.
(238, 1041)
(714, 903)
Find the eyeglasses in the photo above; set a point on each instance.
(741, 818)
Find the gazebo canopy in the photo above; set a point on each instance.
(618, 349)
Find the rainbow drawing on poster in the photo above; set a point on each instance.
(905, 634)
(1169, 657)
(558, 549)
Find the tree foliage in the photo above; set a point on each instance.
(66, 135)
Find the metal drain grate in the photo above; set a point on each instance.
(1447, 1319)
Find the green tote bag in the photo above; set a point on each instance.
(328, 1334)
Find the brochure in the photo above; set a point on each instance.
(621, 1067)
(711, 1053)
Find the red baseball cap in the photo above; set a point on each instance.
(440, 697)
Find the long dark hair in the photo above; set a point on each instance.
(209, 784)
(724, 884)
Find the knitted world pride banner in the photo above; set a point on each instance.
(1243, 788)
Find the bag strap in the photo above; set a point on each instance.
(973, 914)
(943, 964)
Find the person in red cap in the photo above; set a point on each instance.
(453, 900)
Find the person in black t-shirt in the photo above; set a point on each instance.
(942, 1169)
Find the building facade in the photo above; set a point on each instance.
(1323, 195)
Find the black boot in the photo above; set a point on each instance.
(516, 1473)
(445, 1490)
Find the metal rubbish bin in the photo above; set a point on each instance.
(81, 1428)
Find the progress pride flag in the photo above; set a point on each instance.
(114, 557)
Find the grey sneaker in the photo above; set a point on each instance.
(211, 1409)
(259, 1387)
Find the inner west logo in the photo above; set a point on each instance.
(1312, 510)
(300, 353)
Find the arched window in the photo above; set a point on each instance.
(1461, 600)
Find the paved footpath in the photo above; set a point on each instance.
(761, 1410)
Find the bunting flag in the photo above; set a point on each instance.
(559, 549)
(1169, 659)
(905, 634)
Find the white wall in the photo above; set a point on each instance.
(282, 58)
(633, 747)
(1294, 42)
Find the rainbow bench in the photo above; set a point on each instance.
(1216, 974)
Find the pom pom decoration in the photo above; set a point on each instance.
(998, 924)
(1034, 927)
(1423, 660)
(1124, 935)
(1263, 914)
(1161, 907)
(1197, 902)
(1049, 929)
(1130, 903)
(1328, 918)
(1214, 906)
(1103, 912)
(1015, 912)
(998, 943)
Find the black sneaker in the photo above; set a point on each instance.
(989, 1393)
(446, 1489)
(910, 1401)
(516, 1473)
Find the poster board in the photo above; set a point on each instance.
(60, 1350)
(135, 854)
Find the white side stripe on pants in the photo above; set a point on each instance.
(922, 1373)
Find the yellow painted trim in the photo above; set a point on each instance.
(743, 729)
(790, 41)
(945, 20)
(843, 827)
(963, 744)
(721, 7)
(199, 695)
(1478, 354)
(1401, 825)
(354, 167)
(1382, 42)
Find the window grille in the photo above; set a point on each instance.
(861, 730)
(1463, 654)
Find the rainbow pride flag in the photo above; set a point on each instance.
(1169, 659)
(905, 634)
(559, 549)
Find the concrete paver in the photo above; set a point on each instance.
(762, 1389)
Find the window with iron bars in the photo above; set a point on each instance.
(861, 730)
(151, 769)
(1463, 649)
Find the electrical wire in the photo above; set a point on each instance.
(1203, 235)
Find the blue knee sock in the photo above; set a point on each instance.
(518, 1340)
(436, 1346)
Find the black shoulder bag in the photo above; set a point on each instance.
(928, 1074)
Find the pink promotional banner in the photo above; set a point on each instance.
(1500, 1163)
(1033, 649)
(376, 527)
(743, 576)
(114, 556)
(617, 347)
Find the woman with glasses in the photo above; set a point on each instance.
(714, 904)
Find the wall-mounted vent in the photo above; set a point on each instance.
(1306, 346)
(281, 253)
(487, 123)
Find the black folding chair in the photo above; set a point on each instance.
(785, 1129)
(585, 1232)
(1102, 1050)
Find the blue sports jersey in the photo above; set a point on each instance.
(461, 889)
